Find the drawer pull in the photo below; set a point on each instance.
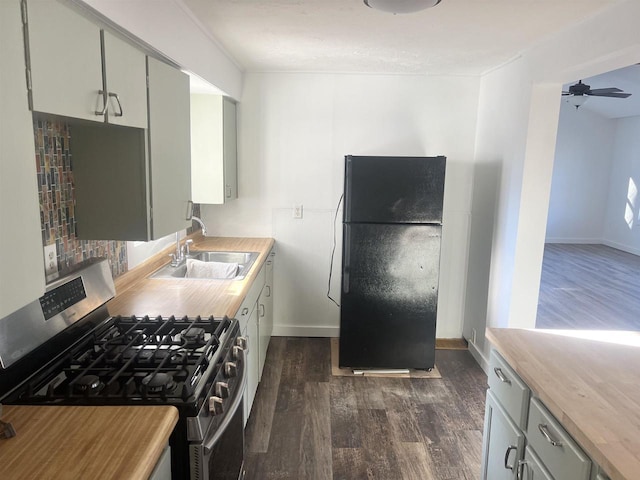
(506, 457)
(500, 375)
(544, 430)
(522, 464)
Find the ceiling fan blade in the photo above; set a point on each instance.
(612, 95)
(598, 91)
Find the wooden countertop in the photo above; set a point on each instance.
(590, 381)
(56, 442)
(138, 295)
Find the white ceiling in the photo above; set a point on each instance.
(456, 37)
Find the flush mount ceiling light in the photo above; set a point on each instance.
(401, 6)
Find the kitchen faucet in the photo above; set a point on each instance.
(202, 225)
(182, 251)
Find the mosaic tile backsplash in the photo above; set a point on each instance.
(57, 201)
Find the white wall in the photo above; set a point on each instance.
(581, 171)
(294, 132)
(517, 124)
(622, 222)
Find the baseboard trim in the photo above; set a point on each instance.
(305, 331)
(479, 357)
(579, 241)
(619, 246)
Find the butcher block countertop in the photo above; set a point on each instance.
(56, 442)
(590, 381)
(138, 295)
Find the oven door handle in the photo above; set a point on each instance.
(237, 401)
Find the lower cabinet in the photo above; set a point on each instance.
(256, 325)
(522, 440)
(504, 442)
(162, 470)
(265, 314)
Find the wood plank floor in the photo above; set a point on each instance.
(309, 425)
(589, 287)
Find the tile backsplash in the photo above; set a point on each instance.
(54, 166)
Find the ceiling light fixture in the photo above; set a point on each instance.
(401, 6)
(577, 100)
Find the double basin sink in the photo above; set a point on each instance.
(244, 260)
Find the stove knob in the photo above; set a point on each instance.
(242, 342)
(222, 389)
(215, 405)
(236, 352)
(230, 369)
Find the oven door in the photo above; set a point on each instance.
(220, 456)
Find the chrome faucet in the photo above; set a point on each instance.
(182, 251)
(202, 225)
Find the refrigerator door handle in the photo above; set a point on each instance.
(347, 254)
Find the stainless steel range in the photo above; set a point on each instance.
(65, 349)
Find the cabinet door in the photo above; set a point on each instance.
(532, 467)
(265, 314)
(65, 60)
(169, 147)
(230, 150)
(22, 276)
(252, 359)
(126, 77)
(502, 445)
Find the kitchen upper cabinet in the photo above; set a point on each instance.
(133, 183)
(78, 70)
(213, 149)
(22, 275)
(169, 146)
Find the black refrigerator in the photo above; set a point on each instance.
(392, 229)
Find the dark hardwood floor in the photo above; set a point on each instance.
(589, 287)
(307, 424)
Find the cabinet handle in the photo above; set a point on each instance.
(506, 457)
(268, 291)
(105, 102)
(544, 430)
(115, 95)
(521, 466)
(262, 313)
(500, 375)
(245, 310)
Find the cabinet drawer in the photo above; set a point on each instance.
(558, 452)
(509, 389)
(250, 300)
(533, 469)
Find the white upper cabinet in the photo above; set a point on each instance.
(22, 273)
(75, 69)
(126, 82)
(213, 149)
(169, 147)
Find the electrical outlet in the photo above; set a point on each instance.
(50, 259)
(297, 211)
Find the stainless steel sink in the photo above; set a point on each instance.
(245, 261)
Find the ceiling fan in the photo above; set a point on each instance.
(581, 91)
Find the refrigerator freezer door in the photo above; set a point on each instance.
(394, 189)
(389, 296)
